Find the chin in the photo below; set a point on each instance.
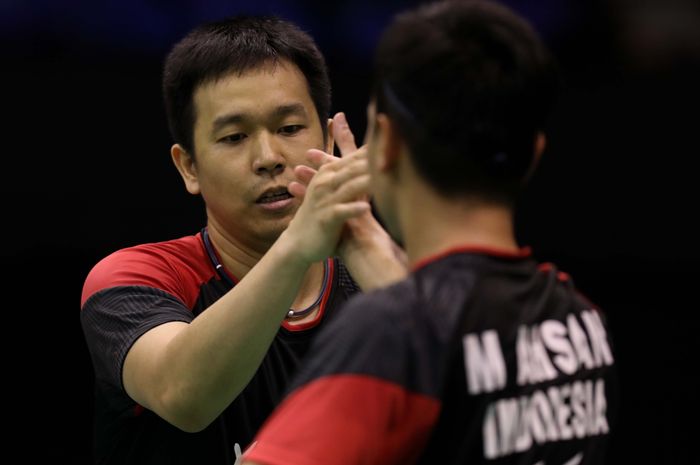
(273, 231)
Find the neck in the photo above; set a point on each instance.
(432, 224)
(311, 287)
(238, 259)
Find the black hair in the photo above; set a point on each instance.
(236, 45)
(469, 84)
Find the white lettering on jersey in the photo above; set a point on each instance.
(533, 361)
(484, 364)
(514, 424)
(554, 337)
(551, 345)
(602, 355)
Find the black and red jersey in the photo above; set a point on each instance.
(138, 288)
(477, 357)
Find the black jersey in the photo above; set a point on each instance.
(136, 289)
(477, 357)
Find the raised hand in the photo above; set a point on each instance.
(373, 257)
(332, 195)
(344, 139)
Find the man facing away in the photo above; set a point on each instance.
(194, 340)
(481, 355)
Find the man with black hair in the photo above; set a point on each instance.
(194, 340)
(481, 355)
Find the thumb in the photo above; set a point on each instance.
(344, 138)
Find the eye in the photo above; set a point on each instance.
(233, 138)
(291, 129)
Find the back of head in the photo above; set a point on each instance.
(469, 85)
(236, 45)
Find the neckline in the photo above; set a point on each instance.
(292, 314)
(523, 252)
(296, 314)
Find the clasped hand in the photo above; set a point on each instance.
(332, 195)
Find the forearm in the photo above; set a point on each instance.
(191, 379)
(371, 255)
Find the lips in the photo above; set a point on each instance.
(274, 194)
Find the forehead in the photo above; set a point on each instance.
(253, 93)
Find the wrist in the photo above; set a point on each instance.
(366, 230)
(291, 252)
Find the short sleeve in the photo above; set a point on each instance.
(361, 396)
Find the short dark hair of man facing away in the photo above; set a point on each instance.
(474, 86)
(237, 45)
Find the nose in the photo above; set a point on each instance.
(268, 158)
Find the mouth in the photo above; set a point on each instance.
(274, 194)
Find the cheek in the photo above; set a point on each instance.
(382, 208)
(379, 192)
(225, 180)
(374, 182)
(296, 152)
(373, 167)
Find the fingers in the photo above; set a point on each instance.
(352, 165)
(352, 190)
(346, 211)
(336, 174)
(344, 202)
(344, 138)
(297, 189)
(319, 157)
(304, 174)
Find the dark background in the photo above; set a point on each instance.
(87, 171)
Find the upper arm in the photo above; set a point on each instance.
(141, 371)
(131, 307)
(113, 319)
(380, 422)
(360, 384)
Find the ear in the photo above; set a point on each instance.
(186, 165)
(329, 137)
(390, 143)
(538, 149)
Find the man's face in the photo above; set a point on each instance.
(250, 132)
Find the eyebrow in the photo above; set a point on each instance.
(291, 109)
(280, 111)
